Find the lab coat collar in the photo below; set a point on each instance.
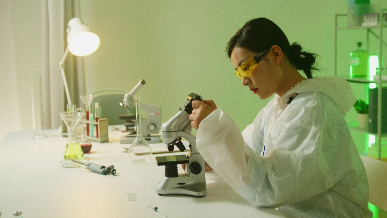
(335, 88)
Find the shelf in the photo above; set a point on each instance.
(380, 80)
(361, 80)
(362, 27)
(381, 23)
(355, 127)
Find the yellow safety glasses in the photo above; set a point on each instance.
(245, 69)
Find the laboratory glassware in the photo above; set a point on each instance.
(37, 104)
(358, 62)
(81, 130)
(139, 151)
(73, 148)
(84, 142)
(87, 99)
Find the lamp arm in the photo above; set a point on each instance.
(61, 66)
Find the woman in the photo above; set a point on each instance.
(298, 154)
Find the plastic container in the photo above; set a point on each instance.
(356, 10)
(359, 62)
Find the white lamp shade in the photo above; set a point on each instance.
(82, 41)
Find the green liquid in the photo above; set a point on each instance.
(359, 63)
(73, 151)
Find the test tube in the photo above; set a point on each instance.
(97, 115)
(87, 118)
(91, 129)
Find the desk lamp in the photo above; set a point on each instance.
(81, 42)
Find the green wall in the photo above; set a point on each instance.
(178, 47)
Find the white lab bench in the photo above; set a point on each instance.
(33, 181)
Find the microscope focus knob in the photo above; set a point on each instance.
(152, 127)
(195, 167)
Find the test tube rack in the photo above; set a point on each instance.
(102, 123)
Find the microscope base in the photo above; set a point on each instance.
(179, 186)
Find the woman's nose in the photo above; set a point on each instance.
(245, 81)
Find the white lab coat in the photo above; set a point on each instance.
(298, 157)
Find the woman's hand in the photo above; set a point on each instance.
(200, 111)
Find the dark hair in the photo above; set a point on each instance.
(261, 34)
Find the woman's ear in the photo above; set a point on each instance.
(276, 53)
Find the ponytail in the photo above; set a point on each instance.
(302, 60)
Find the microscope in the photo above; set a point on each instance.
(150, 121)
(172, 132)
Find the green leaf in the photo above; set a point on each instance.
(361, 107)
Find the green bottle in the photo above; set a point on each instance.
(359, 62)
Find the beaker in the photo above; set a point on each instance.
(73, 148)
(139, 151)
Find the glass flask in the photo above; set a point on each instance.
(139, 151)
(73, 148)
(358, 62)
(84, 142)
